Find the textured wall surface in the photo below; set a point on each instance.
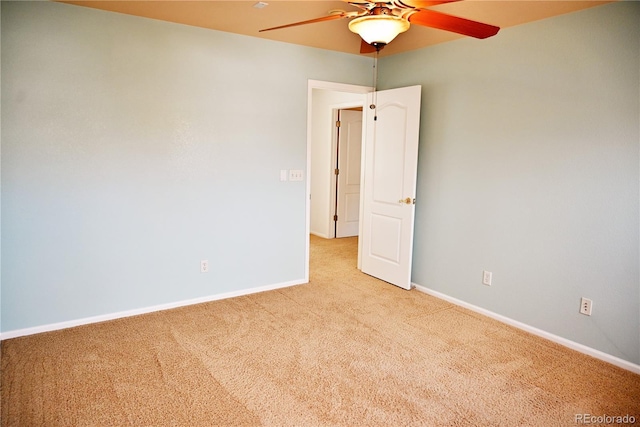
(529, 168)
(133, 148)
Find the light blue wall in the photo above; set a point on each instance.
(529, 168)
(134, 148)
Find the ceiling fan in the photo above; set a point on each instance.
(379, 22)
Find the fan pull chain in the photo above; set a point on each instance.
(375, 84)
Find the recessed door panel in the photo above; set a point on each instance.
(352, 208)
(388, 154)
(386, 231)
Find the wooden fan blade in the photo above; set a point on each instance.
(310, 21)
(442, 21)
(367, 48)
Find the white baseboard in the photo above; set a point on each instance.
(112, 316)
(323, 235)
(624, 364)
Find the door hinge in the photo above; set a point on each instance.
(335, 217)
(337, 123)
(337, 171)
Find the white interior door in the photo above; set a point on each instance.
(348, 173)
(390, 171)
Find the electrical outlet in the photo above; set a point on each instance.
(585, 306)
(204, 266)
(486, 278)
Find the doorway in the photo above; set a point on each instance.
(388, 175)
(322, 100)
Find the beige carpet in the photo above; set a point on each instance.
(343, 350)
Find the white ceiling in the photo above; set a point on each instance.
(242, 18)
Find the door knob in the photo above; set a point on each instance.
(405, 201)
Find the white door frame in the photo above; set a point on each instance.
(336, 87)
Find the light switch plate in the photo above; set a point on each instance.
(296, 175)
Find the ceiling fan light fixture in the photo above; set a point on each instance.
(379, 29)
